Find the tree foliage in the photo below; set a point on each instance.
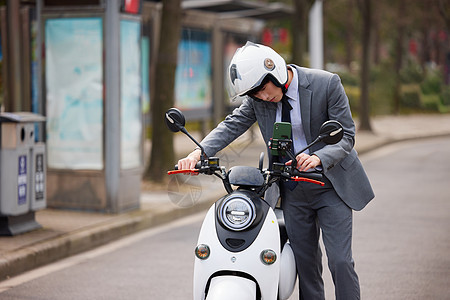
(404, 36)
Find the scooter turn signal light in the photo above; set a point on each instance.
(268, 256)
(202, 251)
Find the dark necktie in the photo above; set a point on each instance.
(285, 110)
(286, 117)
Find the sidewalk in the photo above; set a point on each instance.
(65, 233)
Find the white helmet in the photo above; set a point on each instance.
(249, 67)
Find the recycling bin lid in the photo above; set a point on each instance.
(21, 117)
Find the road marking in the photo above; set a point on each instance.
(99, 251)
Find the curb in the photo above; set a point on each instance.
(389, 141)
(48, 251)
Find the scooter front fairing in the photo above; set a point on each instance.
(246, 263)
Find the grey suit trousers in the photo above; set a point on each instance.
(309, 209)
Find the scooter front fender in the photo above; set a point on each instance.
(231, 287)
(288, 273)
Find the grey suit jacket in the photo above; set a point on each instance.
(322, 97)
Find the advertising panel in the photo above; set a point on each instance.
(74, 92)
(193, 74)
(130, 93)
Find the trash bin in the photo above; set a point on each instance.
(22, 173)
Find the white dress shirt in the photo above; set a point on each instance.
(298, 135)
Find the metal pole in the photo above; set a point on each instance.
(316, 35)
(40, 109)
(112, 104)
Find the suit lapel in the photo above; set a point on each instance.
(271, 118)
(305, 110)
(266, 115)
(305, 103)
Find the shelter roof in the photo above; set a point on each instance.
(228, 9)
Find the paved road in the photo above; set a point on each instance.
(153, 264)
(401, 242)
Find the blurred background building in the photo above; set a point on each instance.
(87, 66)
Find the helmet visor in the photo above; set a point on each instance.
(240, 88)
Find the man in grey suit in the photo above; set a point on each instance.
(306, 98)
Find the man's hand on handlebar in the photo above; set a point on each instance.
(190, 161)
(306, 162)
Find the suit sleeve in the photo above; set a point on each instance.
(231, 128)
(338, 109)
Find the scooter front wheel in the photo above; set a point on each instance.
(231, 287)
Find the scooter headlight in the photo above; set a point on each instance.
(237, 213)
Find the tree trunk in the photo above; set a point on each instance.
(162, 155)
(399, 54)
(299, 30)
(349, 36)
(444, 10)
(364, 114)
(376, 36)
(299, 25)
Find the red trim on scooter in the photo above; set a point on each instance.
(186, 171)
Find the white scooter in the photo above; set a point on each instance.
(242, 251)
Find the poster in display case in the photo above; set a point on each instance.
(193, 74)
(74, 92)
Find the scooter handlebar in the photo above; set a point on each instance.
(309, 175)
(293, 175)
(312, 177)
(186, 171)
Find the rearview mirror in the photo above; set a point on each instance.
(175, 120)
(331, 132)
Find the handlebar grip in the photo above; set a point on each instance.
(198, 165)
(310, 175)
